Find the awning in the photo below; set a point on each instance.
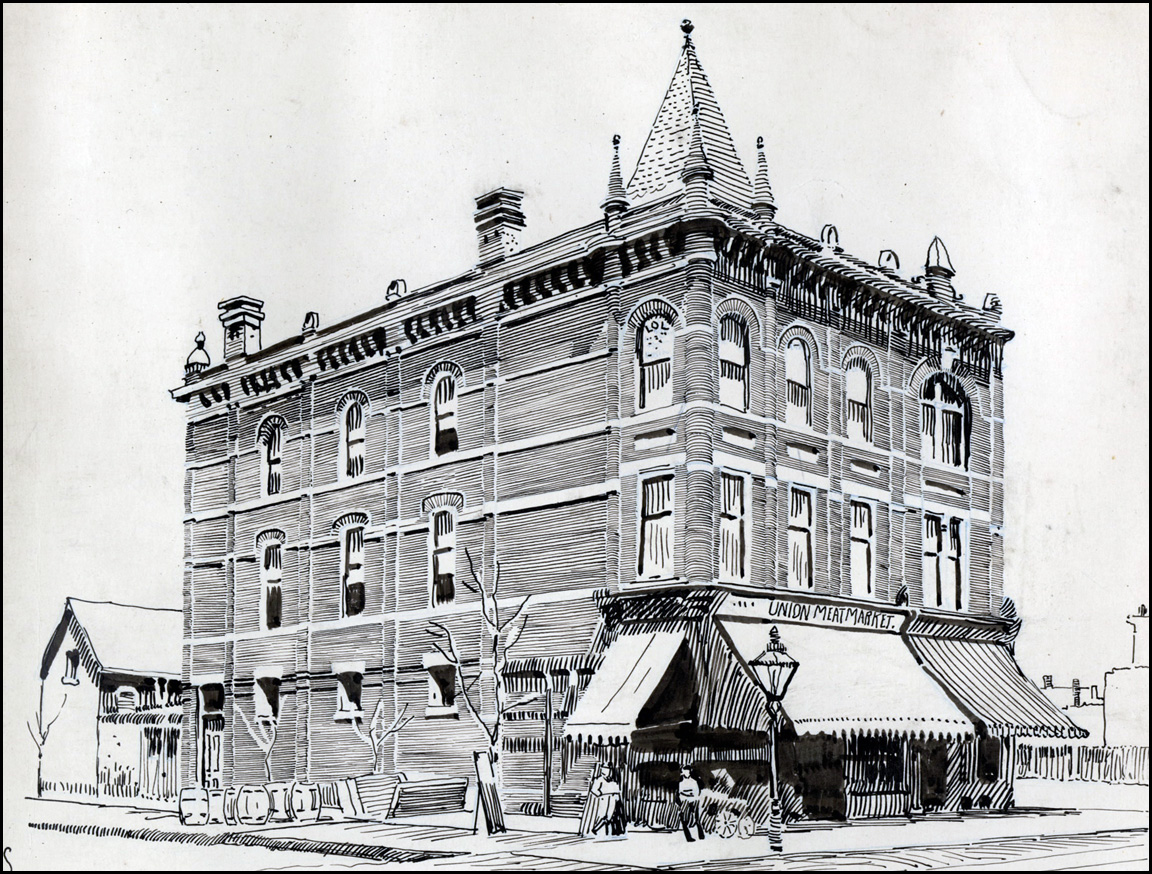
(633, 666)
(854, 681)
(985, 679)
(556, 636)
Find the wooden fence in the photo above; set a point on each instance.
(1128, 764)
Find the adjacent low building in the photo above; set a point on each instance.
(108, 726)
(667, 430)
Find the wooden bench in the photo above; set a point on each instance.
(383, 796)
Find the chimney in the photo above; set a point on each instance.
(499, 221)
(939, 271)
(241, 317)
(1075, 693)
(1047, 681)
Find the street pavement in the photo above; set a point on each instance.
(78, 837)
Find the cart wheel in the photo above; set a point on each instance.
(746, 828)
(726, 823)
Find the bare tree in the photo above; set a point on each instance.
(40, 738)
(264, 734)
(378, 732)
(502, 634)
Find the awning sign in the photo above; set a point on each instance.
(828, 615)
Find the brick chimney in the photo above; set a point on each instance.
(1047, 681)
(241, 317)
(499, 221)
(1075, 693)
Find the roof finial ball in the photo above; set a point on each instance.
(198, 361)
(687, 27)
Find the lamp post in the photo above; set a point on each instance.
(773, 670)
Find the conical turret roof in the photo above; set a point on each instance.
(658, 172)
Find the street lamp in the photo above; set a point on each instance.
(773, 670)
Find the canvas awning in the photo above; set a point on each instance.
(854, 681)
(633, 666)
(556, 636)
(985, 679)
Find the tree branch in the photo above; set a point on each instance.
(35, 738)
(48, 727)
(472, 570)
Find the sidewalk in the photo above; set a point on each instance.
(443, 841)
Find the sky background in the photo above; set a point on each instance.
(160, 159)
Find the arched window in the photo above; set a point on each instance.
(444, 437)
(798, 376)
(352, 444)
(858, 400)
(271, 591)
(271, 440)
(442, 544)
(734, 362)
(353, 571)
(945, 420)
(654, 346)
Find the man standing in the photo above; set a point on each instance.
(689, 798)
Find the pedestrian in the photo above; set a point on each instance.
(607, 806)
(688, 795)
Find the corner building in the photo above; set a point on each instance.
(671, 429)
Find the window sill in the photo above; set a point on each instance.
(441, 712)
(348, 715)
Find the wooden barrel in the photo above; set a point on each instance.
(280, 794)
(253, 805)
(215, 805)
(305, 802)
(194, 806)
(230, 795)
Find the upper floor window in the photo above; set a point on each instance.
(944, 548)
(352, 442)
(800, 539)
(734, 357)
(126, 700)
(858, 400)
(798, 379)
(444, 434)
(654, 345)
(271, 594)
(353, 572)
(861, 552)
(733, 528)
(656, 527)
(71, 665)
(443, 548)
(271, 440)
(945, 421)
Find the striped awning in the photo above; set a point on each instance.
(849, 681)
(985, 679)
(633, 666)
(556, 636)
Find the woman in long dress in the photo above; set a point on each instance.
(605, 802)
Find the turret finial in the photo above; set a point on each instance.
(762, 200)
(687, 27)
(617, 199)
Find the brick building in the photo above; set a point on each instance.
(670, 428)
